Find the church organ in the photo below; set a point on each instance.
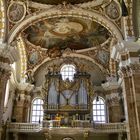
(67, 100)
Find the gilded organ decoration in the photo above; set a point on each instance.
(16, 11)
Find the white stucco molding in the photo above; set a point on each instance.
(9, 52)
(124, 47)
(72, 55)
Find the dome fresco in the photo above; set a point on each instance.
(73, 33)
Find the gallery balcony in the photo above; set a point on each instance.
(75, 126)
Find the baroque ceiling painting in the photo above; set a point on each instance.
(73, 33)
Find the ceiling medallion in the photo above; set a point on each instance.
(113, 10)
(16, 11)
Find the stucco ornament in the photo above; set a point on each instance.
(113, 10)
(16, 11)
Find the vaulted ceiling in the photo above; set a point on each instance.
(84, 30)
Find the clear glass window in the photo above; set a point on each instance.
(99, 110)
(37, 111)
(68, 71)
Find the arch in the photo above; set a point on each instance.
(73, 55)
(74, 12)
(68, 71)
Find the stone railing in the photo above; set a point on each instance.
(23, 127)
(93, 127)
(74, 123)
(81, 123)
(110, 127)
(51, 124)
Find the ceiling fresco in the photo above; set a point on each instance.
(55, 2)
(73, 33)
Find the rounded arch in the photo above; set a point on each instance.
(77, 56)
(74, 12)
(67, 71)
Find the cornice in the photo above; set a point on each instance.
(8, 53)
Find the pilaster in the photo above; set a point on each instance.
(115, 112)
(131, 95)
(22, 102)
(7, 57)
(113, 99)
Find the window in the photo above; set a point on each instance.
(67, 72)
(99, 110)
(37, 111)
(6, 94)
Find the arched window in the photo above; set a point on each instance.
(99, 115)
(37, 111)
(68, 71)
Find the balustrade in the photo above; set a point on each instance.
(94, 127)
(21, 127)
(110, 127)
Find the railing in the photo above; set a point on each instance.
(23, 127)
(110, 127)
(93, 127)
(81, 123)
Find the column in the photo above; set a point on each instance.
(131, 93)
(113, 102)
(18, 112)
(4, 76)
(113, 99)
(27, 107)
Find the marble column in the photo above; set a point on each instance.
(131, 93)
(26, 109)
(8, 55)
(114, 108)
(18, 112)
(4, 76)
